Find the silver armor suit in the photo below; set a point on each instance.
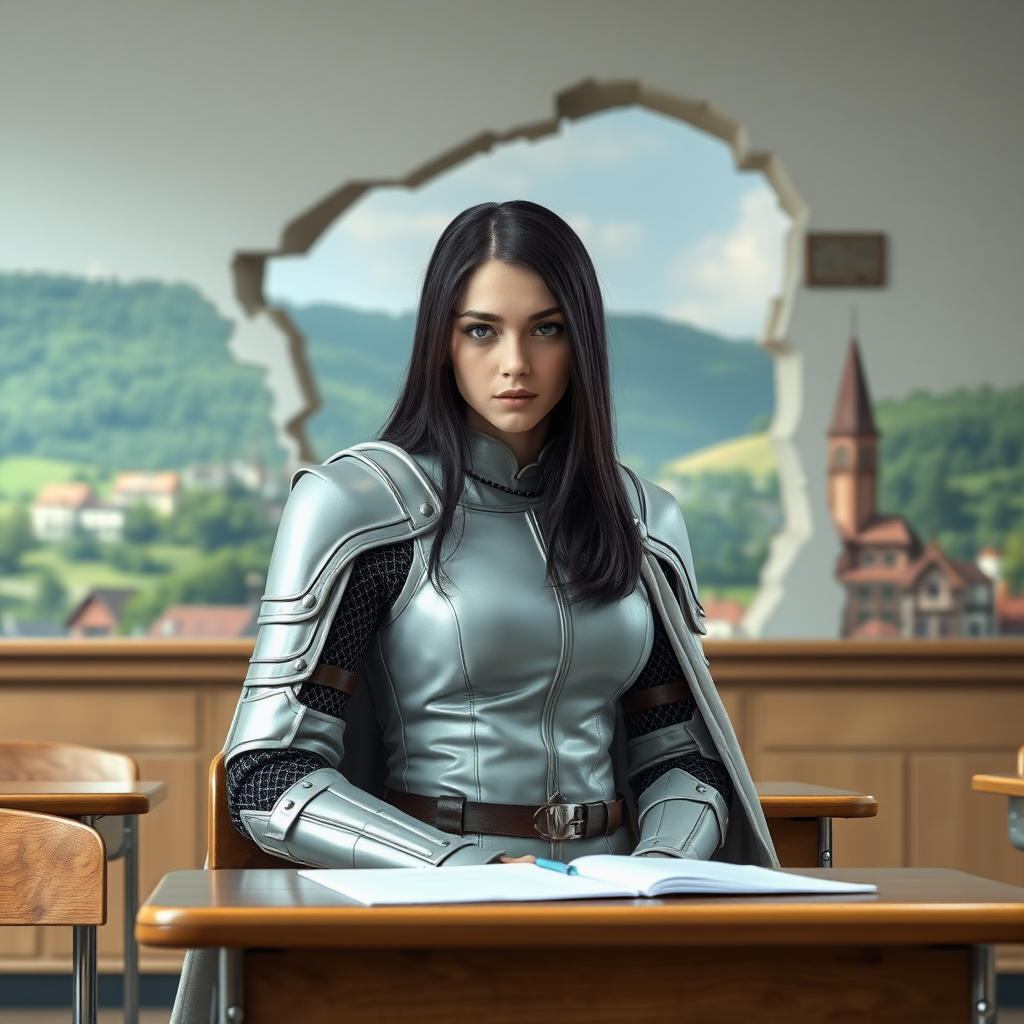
(496, 691)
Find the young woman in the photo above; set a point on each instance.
(515, 610)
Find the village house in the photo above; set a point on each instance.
(61, 509)
(160, 491)
(895, 585)
(98, 613)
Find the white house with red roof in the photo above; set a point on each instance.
(161, 491)
(895, 586)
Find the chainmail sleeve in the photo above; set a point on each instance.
(257, 778)
(663, 667)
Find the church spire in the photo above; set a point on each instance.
(852, 415)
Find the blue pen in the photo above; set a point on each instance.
(556, 865)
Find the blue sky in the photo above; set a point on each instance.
(673, 229)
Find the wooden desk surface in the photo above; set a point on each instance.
(1008, 785)
(277, 908)
(799, 799)
(74, 798)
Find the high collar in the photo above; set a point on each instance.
(495, 462)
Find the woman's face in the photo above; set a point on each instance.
(510, 355)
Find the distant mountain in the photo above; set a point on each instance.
(124, 376)
(676, 389)
(139, 376)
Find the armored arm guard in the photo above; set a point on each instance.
(367, 497)
(680, 785)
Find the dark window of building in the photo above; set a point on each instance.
(867, 456)
(920, 628)
(868, 558)
(890, 558)
(943, 627)
(888, 594)
(974, 629)
(863, 615)
(932, 589)
(889, 617)
(842, 457)
(864, 593)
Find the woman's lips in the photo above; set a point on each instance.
(515, 399)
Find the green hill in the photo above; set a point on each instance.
(953, 464)
(123, 376)
(676, 389)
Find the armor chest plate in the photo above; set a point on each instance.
(499, 690)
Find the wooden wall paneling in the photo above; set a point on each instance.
(118, 718)
(19, 943)
(910, 718)
(858, 842)
(951, 826)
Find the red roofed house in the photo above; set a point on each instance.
(209, 620)
(161, 491)
(56, 510)
(894, 585)
(98, 613)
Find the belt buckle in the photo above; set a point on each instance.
(558, 821)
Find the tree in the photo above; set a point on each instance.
(51, 600)
(15, 537)
(1013, 563)
(142, 524)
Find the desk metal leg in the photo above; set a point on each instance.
(824, 842)
(983, 985)
(84, 1007)
(131, 908)
(230, 986)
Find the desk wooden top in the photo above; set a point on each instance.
(801, 800)
(1009, 785)
(75, 798)
(275, 907)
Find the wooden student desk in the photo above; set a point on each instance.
(89, 801)
(800, 817)
(1013, 787)
(290, 950)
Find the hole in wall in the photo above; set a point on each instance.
(583, 101)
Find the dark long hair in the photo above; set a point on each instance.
(593, 546)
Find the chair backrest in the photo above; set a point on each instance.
(227, 847)
(41, 761)
(52, 870)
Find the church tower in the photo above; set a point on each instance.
(852, 451)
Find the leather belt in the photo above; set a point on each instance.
(556, 821)
(656, 696)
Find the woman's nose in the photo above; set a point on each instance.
(514, 360)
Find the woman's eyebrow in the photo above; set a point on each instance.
(546, 312)
(477, 315)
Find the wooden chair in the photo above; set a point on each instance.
(32, 761)
(45, 761)
(54, 871)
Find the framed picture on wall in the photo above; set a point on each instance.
(845, 260)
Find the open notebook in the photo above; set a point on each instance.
(599, 875)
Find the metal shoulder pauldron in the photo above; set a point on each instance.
(364, 497)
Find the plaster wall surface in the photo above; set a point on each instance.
(158, 140)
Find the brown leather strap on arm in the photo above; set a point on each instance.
(656, 696)
(335, 678)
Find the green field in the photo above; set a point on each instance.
(752, 454)
(23, 476)
(81, 577)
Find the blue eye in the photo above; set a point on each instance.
(549, 329)
(478, 331)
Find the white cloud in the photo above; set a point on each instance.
(392, 245)
(725, 280)
(610, 240)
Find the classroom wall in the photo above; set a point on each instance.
(158, 140)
